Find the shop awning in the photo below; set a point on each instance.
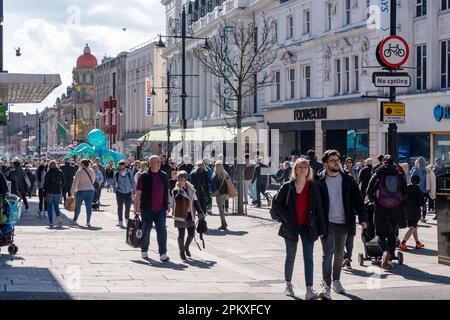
(27, 88)
(207, 134)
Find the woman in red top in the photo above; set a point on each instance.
(300, 205)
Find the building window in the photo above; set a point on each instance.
(422, 67)
(445, 64)
(275, 31)
(307, 81)
(290, 27)
(356, 73)
(291, 81)
(329, 15)
(348, 11)
(338, 77)
(277, 86)
(445, 5)
(347, 75)
(421, 8)
(368, 8)
(307, 21)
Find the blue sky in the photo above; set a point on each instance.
(53, 33)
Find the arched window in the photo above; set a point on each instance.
(196, 10)
(210, 5)
(202, 8)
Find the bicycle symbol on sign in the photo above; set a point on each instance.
(396, 50)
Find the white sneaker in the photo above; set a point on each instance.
(88, 225)
(337, 287)
(311, 294)
(120, 224)
(289, 291)
(326, 292)
(164, 258)
(144, 255)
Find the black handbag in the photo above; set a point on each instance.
(135, 232)
(275, 212)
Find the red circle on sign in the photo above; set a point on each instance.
(382, 49)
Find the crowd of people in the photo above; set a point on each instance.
(320, 200)
(316, 200)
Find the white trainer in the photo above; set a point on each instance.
(311, 294)
(326, 292)
(337, 287)
(289, 291)
(164, 258)
(144, 255)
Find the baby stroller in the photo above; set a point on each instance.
(371, 242)
(10, 213)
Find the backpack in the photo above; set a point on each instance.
(275, 211)
(389, 191)
(135, 232)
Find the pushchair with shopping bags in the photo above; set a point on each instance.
(10, 212)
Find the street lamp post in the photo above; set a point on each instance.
(392, 131)
(39, 135)
(27, 134)
(183, 38)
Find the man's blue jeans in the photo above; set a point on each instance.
(308, 251)
(53, 201)
(86, 197)
(159, 218)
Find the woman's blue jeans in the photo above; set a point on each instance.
(53, 201)
(86, 197)
(308, 252)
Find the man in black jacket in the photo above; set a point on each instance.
(315, 165)
(260, 176)
(152, 197)
(18, 183)
(364, 177)
(379, 164)
(69, 173)
(341, 200)
(387, 218)
(3, 186)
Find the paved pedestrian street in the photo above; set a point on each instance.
(246, 262)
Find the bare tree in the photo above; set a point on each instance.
(238, 56)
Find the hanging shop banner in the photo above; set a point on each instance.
(110, 125)
(3, 117)
(148, 98)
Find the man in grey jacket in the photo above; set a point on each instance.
(124, 187)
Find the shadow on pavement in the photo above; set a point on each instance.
(213, 232)
(410, 273)
(202, 264)
(161, 265)
(90, 228)
(424, 252)
(351, 296)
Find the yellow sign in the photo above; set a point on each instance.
(394, 109)
(393, 112)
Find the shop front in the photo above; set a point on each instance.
(426, 131)
(347, 125)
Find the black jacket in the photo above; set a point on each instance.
(3, 186)
(166, 169)
(364, 178)
(353, 203)
(54, 181)
(316, 219)
(218, 184)
(316, 166)
(146, 196)
(186, 167)
(384, 170)
(199, 179)
(17, 178)
(69, 173)
(259, 176)
(414, 202)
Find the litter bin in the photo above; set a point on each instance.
(443, 215)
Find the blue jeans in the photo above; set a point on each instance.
(159, 218)
(86, 197)
(53, 201)
(308, 252)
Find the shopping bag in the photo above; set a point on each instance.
(135, 232)
(70, 204)
(232, 193)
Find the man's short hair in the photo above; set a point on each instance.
(122, 163)
(388, 159)
(311, 153)
(330, 153)
(380, 157)
(247, 156)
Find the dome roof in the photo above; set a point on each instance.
(87, 60)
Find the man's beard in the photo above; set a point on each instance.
(333, 170)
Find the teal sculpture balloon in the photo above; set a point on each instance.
(97, 148)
